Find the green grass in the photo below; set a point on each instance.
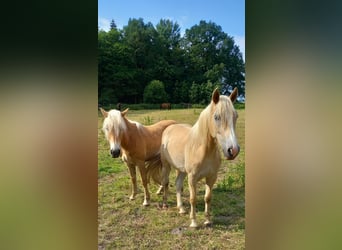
(126, 224)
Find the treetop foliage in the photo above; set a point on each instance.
(155, 92)
(188, 67)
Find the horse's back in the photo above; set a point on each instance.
(148, 138)
(177, 130)
(160, 126)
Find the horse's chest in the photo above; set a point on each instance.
(209, 168)
(132, 157)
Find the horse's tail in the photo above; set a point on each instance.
(154, 168)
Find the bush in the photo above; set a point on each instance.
(155, 92)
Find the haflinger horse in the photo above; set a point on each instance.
(194, 151)
(137, 144)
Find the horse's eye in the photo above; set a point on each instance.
(217, 117)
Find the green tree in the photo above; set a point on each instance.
(155, 92)
(115, 68)
(212, 55)
(112, 25)
(189, 67)
(201, 93)
(169, 67)
(141, 40)
(195, 93)
(181, 92)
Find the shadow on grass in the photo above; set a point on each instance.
(227, 207)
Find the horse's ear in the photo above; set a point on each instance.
(215, 96)
(234, 94)
(123, 113)
(104, 113)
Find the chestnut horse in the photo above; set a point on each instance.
(165, 106)
(195, 150)
(137, 144)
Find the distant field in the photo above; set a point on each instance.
(127, 224)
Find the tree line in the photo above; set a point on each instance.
(142, 63)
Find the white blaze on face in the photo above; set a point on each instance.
(114, 145)
(227, 140)
(232, 137)
(226, 133)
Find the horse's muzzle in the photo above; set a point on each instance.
(233, 152)
(115, 153)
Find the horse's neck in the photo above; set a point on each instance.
(200, 132)
(127, 136)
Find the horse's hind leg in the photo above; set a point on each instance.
(132, 172)
(207, 198)
(165, 181)
(179, 190)
(160, 190)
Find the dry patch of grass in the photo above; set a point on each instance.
(127, 224)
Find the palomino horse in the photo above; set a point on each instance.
(165, 106)
(139, 146)
(195, 150)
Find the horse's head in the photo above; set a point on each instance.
(113, 126)
(222, 123)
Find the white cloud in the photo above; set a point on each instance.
(103, 23)
(240, 41)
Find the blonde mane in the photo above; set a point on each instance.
(200, 132)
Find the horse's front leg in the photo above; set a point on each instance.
(207, 198)
(132, 172)
(143, 174)
(192, 189)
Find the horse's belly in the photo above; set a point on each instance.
(174, 155)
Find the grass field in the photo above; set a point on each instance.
(125, 224)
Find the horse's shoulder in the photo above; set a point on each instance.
(183, 126)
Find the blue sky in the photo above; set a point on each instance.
(229, 14)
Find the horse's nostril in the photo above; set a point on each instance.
(115, 152)
(230, 152)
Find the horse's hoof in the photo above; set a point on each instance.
(145, 204)
(182, 211)
(193, 224)
(165, 206)
(208, 223)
